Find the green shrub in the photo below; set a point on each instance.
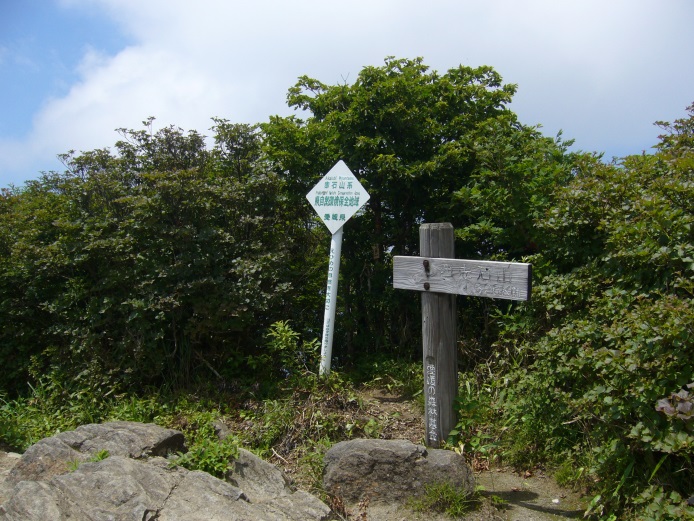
(475, 411)
(209, 455)
(445, 498)
(152, 265)
(311, 464)
(608, 336)
(285, 354)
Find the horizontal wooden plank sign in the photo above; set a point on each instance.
(438, 276)
(477, 278)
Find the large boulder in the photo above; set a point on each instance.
(258, 478)
(55, 455)
(8, 460)
(390, 471)
(135, 483)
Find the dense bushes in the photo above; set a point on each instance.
(137, 266)
(611, 331)
(167, 261)
(428, 147)
(131, 269)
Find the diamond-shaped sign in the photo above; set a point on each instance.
(337, 197)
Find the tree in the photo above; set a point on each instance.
(609, 333)
(138, 267)
(423, 145)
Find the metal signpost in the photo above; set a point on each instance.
(336, 198)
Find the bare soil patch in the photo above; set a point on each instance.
(508, 495)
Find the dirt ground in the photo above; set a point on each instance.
(534, 498)
(527, 497)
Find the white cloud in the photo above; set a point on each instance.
(602, 71)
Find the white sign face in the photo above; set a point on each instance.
(337, 197)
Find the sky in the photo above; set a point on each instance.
(74, 71)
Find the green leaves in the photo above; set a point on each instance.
(416, 139)
(209, 455)
(141, 263)
(610, 330)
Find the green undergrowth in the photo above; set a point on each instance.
(293, 423)
(446, 498)
(630, 456)
(396, 376)
(209, 454)
(98, 456)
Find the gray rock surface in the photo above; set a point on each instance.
(135, 483)
(53, 456)
(258, 478)
(390, 471)
(8, 460)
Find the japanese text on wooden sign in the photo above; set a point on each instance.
(431, 405)
(502, 280)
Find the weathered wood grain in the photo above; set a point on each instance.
(439, 341)
(439, 277)
(502, 280)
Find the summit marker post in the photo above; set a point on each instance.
(336, 198)
(440, 277)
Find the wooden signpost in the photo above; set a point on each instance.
(440, 277)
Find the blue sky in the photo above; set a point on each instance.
(72, 71)
(41, 43)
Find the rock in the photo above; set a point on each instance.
(265, 484)
(53, 456)
(300, 506)
(134, 483)
(8, 460)
(257, 478)
(221, 430)
(124, 489)
(388, 471)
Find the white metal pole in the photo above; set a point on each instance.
(330, 303)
